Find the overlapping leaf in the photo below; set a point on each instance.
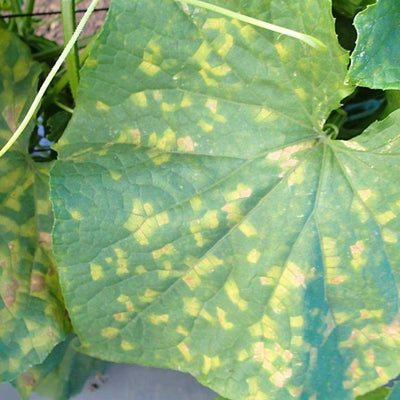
(375, 60)
(204, 220)
(62, 375)
(32, 318)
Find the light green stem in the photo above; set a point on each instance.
(69, 25)
(310, 40)
(64, 107)
(36, 102)
(29, 10)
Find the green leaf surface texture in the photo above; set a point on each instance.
(62, 375)
(205, 223)
(375, 60)
(31, 310)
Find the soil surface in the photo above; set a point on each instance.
(52, 25)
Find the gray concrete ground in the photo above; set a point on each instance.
(131, 382)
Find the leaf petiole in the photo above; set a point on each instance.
(310, 40)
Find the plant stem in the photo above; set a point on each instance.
(36, 102)
(69, 24)
(29, 10)
(310, 40)
(64, 107)
(16, 9)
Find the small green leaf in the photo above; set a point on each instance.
(375, 60)
(62, 375)
(31, 306)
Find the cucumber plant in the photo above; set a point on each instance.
(212, 214)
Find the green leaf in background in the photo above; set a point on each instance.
(378, 394)
(32, 319)
(394, 392)
(62, 375)
(205, 222)
(350, 7)
(375, 60)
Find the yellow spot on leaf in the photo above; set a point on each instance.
(297, 322)
(221, 314)
(385, 217)
(186, 101)
(123, 298)
(185, 144)
(184, 349)
(96, 271)
(282, 51)
(149, 296)
(225, 47)
(198, 237)
(109, 332)
(76, 215)
(159, 319)
(247, 229)
(166, 107)
(280, 377)
(102, 106)
(212, 105)
(139, 99)
(297, 176)
(162, 218)
(233, 293)
(389, 236)
(205, 126)
(191, 306)
(127, 346)
(253, 256)
(196, 203)
(140, 269)
(182, 331)
(365, 194)
(115, 174)
(301, 94)
(149, 69)
(192, 279)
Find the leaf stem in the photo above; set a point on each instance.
(33, 108)
(310, 40)
(64, 107)
(29, 10)
(69, 25)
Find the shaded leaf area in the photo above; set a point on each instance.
(206, 223)
(62, 375)
(375, 60)
(350, 7)
(31, 307)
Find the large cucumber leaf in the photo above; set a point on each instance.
(206, 223)
(376, 58)
(62, 375)
(32, 319)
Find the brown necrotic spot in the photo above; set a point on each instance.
(10, 293)
(28, 379)
(38, 282)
